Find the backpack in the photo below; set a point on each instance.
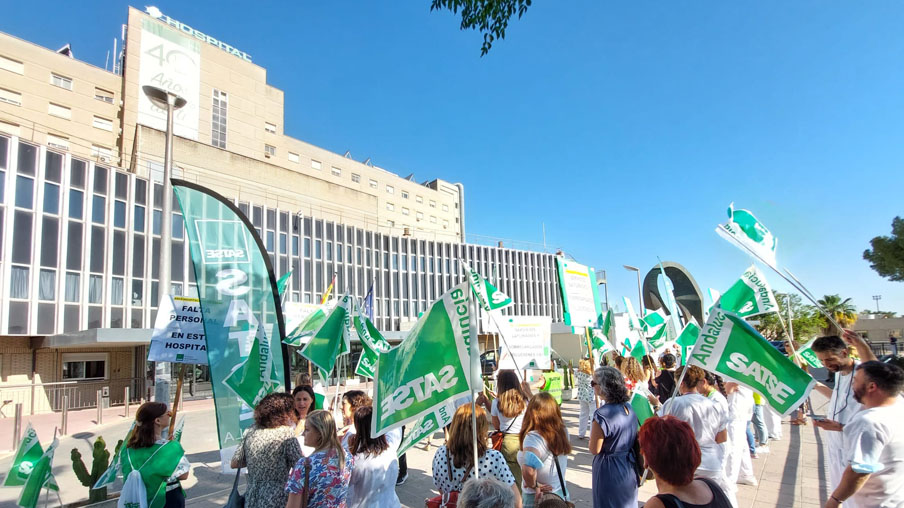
(134, 494)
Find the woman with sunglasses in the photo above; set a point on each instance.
(161, 462)
(612, 435)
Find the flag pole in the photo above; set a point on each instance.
(176, 400)
(473, 356)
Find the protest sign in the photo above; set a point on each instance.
(178, 335)
(529, 339)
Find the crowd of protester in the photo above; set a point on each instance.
(697, 447)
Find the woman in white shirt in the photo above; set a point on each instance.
(507, 412)
(585, 396)
(544, 450)
(453, 462)
(376, 466)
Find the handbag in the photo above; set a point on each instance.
(550, 495)
(498, 436)
(447, 499)
(237, 500)
(306, 493)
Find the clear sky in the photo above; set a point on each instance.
(625, 127)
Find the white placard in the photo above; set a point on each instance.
(171, 61)
(577, 287)
(178, 332)
(529, 338)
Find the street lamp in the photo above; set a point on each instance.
(602, 280)
(170, 102)
(877, 298)
(639, 292)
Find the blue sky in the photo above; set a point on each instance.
(625, 127)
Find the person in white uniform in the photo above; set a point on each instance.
(738, 466)
(376, 468)
(874, 441)
(833, 352)
(709, 422)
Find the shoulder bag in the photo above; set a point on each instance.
(237, 500)
(564, 496)
(498, 436)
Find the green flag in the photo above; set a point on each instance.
(240, 306)
(750, 295)
(41, 476)
(487, 295)
(115, 469)
(634, 323)
(607, 323)
(807, 354)
(429, 367)
(372, 345)
(319, 395)
(745, 230)
(659, 338)
(308, 326)
(28, 454)
(639, 351)
(425, 426)
(283, 283)
(600, 343)
(654, 322)
(730, 347)
(254, 378)
(687, 339)
(641, 406)
(328, 341)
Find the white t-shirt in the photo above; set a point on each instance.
(740, 405)
(373, 480)
(547, 474)
(505, 421)
(706, 419)
(842, 406)
(874, 443)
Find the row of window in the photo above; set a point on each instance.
(56, 79)
(56, 110)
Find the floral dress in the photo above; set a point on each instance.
(269, 455)
(585, 390)
(327, 485)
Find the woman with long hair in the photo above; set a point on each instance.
(269, 449)
(612, 436)
(376, 466)
(544, 449)
(453, 462)
(671, 451)
(708, 421)
(650, 370)
(303, 395)
(633, 374)
(583, 377)
(507, 412)
(161, 462)
(324, 475)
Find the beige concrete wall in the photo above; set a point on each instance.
(16, 371)
(32, 120)
(880, 329)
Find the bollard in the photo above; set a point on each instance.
(126, 402)
(64, 425)
(17, 427)
(100, 407)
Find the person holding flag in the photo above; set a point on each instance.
(833, 352)
(160, 462)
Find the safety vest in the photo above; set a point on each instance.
(553, 385)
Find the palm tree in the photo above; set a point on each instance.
(843, 311)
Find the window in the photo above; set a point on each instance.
(419, 215)
(218, 119)
(58, 142)
(59, 111)
(61, 81)
(356, 178)
(445, 224)
(10, 97)
(336, 171)
(390, 223)
(293, 157)
(269, 127)
(85, 365)
(315, 164)
(445, 208)
(103, 124)
(390, 189)
(432, 204)
(404, 211)
(373, 184)
(419, 199)
(390, 207)
(433, 219)
(103, 95)
(99, 152)
(8, 64)
(269, 150)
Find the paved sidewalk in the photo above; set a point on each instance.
(793, 475)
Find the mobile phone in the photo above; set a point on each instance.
(818, 418)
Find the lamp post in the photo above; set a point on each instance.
(601, 280)
(170, 102)
(877, 298)
(639, 291)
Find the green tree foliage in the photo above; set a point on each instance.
(490, 17)
(807, 322)
(842, 310)
(887, 254)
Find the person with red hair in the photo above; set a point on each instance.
(671, 451)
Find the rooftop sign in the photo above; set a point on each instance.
(182, 27)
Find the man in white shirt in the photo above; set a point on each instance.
(834, 355)
(874, 441)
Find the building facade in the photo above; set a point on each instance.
(80, 214)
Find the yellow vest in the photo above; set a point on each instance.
(553, 385)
